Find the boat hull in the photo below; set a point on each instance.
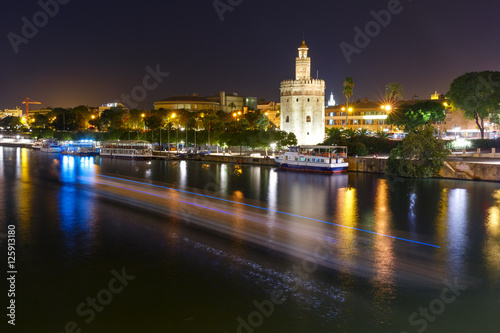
(50, 150)
(314, 168)
(80, 154)
(128, 157)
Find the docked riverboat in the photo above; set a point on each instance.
(127, 149)
(37, 145)
(50, 147)
(326, 159)
(80, 148)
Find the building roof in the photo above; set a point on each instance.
(376, 105)
(303, 44)
(187, 100)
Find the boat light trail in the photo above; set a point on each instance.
(266, 209)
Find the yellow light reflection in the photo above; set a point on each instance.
(384, 247)
(492, 243)
(442, 218)
(383, 254)
(24, 194)
(347, 214)
(238, 170)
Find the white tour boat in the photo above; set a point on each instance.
(129, 149)
(327, 159)
(37, 145)
(50, 147)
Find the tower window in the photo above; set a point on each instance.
(287, 119)
(297, 99)
(308, 99)
(308, 119)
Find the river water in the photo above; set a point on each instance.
(107, 245)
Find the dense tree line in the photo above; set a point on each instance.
(251, 129)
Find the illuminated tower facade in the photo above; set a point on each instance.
(303, 103)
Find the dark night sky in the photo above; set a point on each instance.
(93, 51)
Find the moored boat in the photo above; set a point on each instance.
(37, 145)
(79, 148)
(50, 147)
(326, 159)
(127, 149)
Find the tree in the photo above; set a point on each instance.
(11, 122)
(394, 91)
(80, 117)
(411, 116)
(153, 122)
(348, 89)
(232, 106)
(419, 155)
(334, 135)
(382, 135)
(41, 121)
(262, 122)
(349, 133)
(114, 118)
(209, 120)
(362, 132)
(477, 94)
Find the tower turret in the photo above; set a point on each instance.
(303, 63)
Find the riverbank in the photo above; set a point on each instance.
(16, 144)
(464, 168)
(471, 167)
(214, 157)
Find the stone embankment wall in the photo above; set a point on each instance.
(219, 158)
(471, 171)
(468, 170)
(16, 144)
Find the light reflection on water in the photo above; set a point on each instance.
(465, 222)
(492, 242)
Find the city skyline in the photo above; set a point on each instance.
(92, 53)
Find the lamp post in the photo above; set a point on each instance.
(143, 122)
(173, 115)
(388, 108)
(349, 109)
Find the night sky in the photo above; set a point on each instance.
(91, 52)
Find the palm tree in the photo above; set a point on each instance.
(349, 133)
(348, 91)
(394, 91)
(232, 106)
(362, 132)
(382, 135)
(348, 88)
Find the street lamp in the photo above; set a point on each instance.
(349, 109)
(144, 123)
(387, 108)
(173, 115)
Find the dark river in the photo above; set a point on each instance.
(106, 245)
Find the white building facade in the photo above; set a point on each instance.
(303, 103)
